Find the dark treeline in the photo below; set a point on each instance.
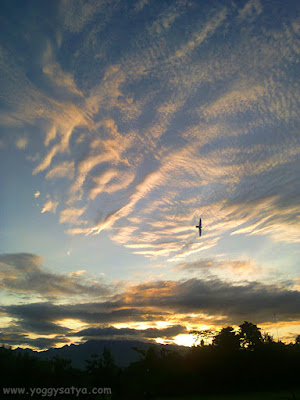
(232, 362)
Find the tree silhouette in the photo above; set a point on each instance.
(227, 339)
(103, 371)
(202, 336)
(267, 338)
(250, 335)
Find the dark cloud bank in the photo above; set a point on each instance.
(229, 303)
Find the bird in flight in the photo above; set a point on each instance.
(199, 227)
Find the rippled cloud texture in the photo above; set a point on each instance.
(134, 118)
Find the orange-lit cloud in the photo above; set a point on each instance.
(135, 130)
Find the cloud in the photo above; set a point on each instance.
(148, 333)
(93, 313)
(267, 212)
(156, 122)
(102, 151)
(21, 261)
(110, 181)
(160, 300)
(62, 170)
(297, 283)
(215, 297)
(50, 135)
(22, 143)
(37, 194)
(50, 206)
(22, 339)
(141, 189)
(184, 304)
(250, 10)
(233, 102)
(47, 160)
(162, 125)
(199, 37)
(101, 181)
(58, 77)
(72, 215)
(238, 270)
(166, 19)
(76, 14)
(77, 273)
(140, 5)
(23, 273)
(40, 328)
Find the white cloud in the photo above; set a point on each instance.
(50, 206)
(72, 215)
(63, 170)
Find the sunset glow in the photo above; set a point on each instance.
(121, 124)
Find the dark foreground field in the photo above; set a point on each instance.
(243, 365)
(284, 395)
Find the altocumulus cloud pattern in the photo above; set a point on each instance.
(123, 122)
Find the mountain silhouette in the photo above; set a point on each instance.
(121, 350)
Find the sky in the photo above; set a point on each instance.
(122, 122)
